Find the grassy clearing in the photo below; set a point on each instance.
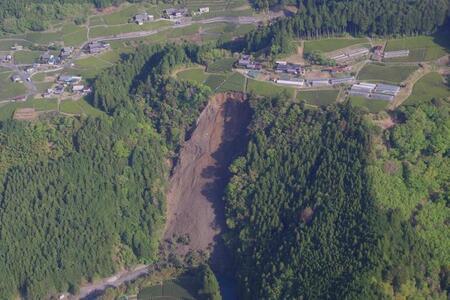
(79, 107)
(196, 74)
(26, 57)
(386, 73)
(182, 288)
(428, 87)
(268, 89)
(318, 98)
(221, 65)
(235, 83)
(328, 45)
(422, 48)
(372, 105)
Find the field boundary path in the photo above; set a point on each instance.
(409, 85)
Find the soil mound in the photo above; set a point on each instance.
(195, 209)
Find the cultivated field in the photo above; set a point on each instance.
(428, 87)
(181, 288)
(268, 89)
(328, 45)
(221, 65)
(79, 107)
(218, 82)
(422, 48)
(26, 56)
(318, 98)
(373, 106)
(386, 73)
(7, 110)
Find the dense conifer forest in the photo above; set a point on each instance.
(362, 17)
(320, 208)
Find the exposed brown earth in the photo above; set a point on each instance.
(195, 209)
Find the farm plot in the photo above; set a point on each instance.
(428, 87)
(268, 89)
(422, 48)
(221, 65)
(26, 57)
(234, 83)
(7, 110)
(328, 45)
(217, 82)
(125, 28)
(214, 81)
(182, 288)
(386, 73)
(5, 45)
(79, 107)
(372, 105)
(195, 74)
(319, 97)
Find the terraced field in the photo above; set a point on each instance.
(386, 73)
(422, 48)
(328, 45)
(318, 98)
(428, 87)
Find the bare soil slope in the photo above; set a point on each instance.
(195, 208)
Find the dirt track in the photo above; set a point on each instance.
(194, 202)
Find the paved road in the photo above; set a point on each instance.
(93, 290)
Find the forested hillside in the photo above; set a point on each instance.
(81, 198)
(312, 215)
(361, 17)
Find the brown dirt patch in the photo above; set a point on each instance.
(195, 209)
(385, 123)
(25, 114)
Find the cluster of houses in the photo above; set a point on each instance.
(142, 18)
(50, 59)
(349, 55)
(247, 62)
(375, 91)
(290, 68)
(67, 81)
(96, 47)
(170, 13)
(175, 13)
(6, 59)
